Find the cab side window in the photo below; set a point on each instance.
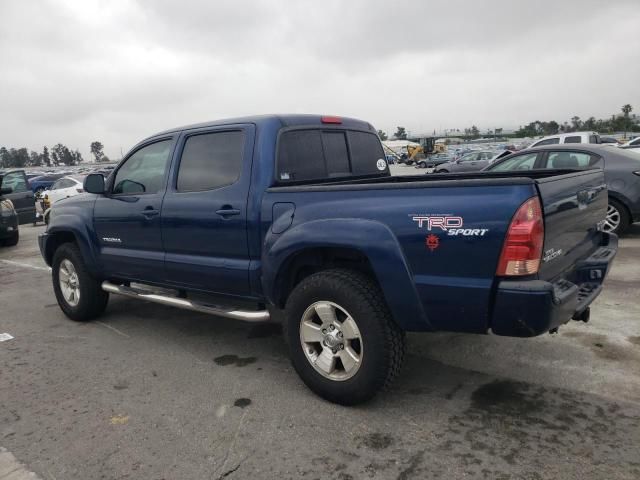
(15, 181)
(210, 161)
(144, 171)
(574, 139)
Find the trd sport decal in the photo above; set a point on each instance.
(450, 224)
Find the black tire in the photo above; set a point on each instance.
(625, 219)
(92, 299)
(383, 342)
(12, 241)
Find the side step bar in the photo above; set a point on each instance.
(246, 315)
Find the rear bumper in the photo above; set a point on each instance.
(531, 307)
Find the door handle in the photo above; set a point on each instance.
(150, 212)
(227, 211)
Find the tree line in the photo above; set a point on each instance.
(617, 123)
(57, 155)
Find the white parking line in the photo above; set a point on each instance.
(25, 265)
(114, 329)
(10, 468)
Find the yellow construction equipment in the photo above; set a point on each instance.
(428, 146)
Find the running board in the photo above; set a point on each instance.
(246, 315)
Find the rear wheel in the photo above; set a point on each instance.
(342, 340)
(79, 295)
(617, 220)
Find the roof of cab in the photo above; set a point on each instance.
(286, 120)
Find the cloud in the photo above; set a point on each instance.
(78, 71)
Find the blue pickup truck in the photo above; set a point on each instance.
(298, 217)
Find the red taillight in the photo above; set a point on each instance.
(326, 119)
(522, 248)
(79, 190)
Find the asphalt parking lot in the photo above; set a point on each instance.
(152, 392)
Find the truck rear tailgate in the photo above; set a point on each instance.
(574, 204)
(575, 259)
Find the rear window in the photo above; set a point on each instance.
(317, 154)
(575, 139)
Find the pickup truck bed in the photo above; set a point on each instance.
(298, 215)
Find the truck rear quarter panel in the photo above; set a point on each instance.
(433, 247)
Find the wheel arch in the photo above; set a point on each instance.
(622, 201)
(363, 245)
(57, 237)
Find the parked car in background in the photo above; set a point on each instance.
(16, 189)
(621, 169)
(64, 187)
(632, 144)
(9, 233)
(573, 137)
(31, 175)
(471, 162)
(43, 182)
(609, 140)
(433, 161)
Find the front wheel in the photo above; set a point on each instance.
(79, 295)
(342, 340)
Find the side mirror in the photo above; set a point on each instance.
(94, 183)
(6, 190)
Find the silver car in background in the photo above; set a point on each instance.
(621, 171)
(471, 162)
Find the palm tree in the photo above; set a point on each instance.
(626, 110)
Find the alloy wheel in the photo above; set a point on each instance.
(69, 282)
(331, 340)
(612, 220)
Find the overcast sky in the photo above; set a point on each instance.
(117, 71)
